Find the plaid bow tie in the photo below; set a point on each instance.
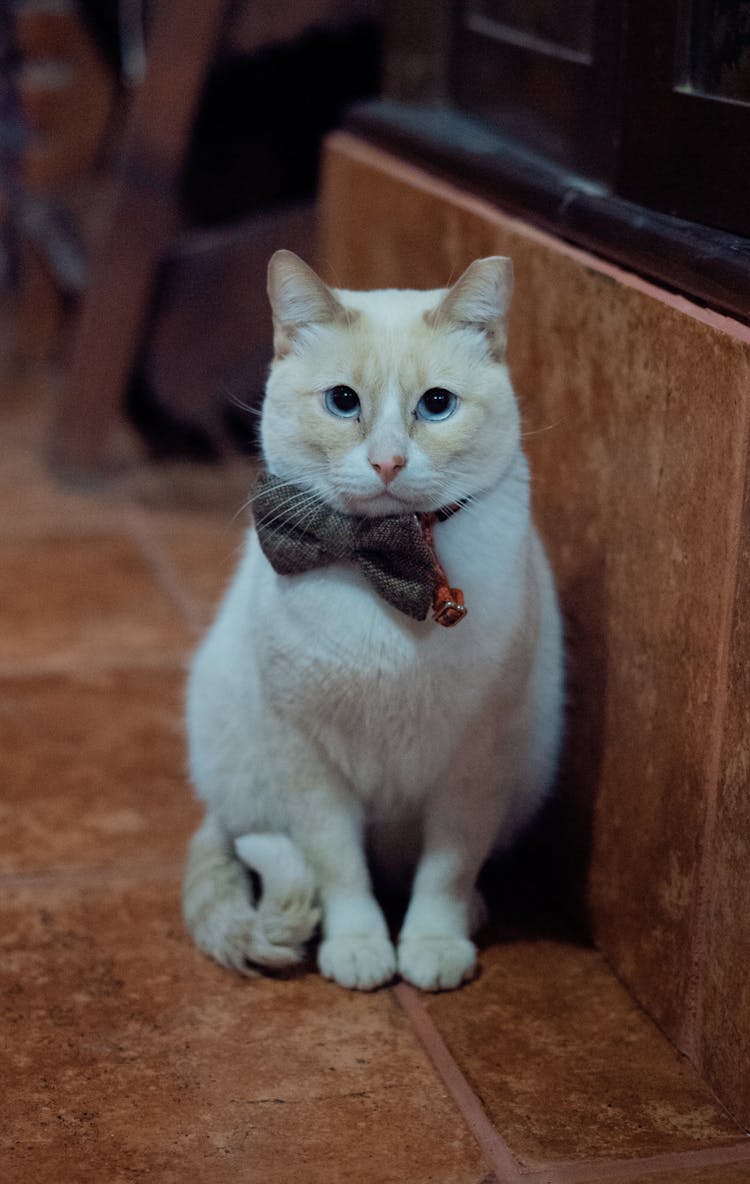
(395, 554)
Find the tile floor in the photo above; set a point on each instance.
(126, 1055)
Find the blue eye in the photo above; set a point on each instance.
(436, 403)
(342, 401)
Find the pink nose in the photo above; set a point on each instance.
(387, 469)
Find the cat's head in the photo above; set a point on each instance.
(394, 401)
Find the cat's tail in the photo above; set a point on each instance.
(248, 923)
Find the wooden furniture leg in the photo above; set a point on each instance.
(182, 42)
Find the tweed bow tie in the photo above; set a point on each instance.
(395, 554)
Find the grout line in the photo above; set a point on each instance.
(156, 555)
(499, 1155)
(83, 876)
(42, 529)
(73, 665)
(612, 1171)
(690, 1034)
(496, 1151)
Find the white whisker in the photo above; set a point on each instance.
(256, 492)
(538, 431)
(305, 500)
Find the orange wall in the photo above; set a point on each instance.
(637, 409)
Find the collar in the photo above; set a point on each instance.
(395, 554)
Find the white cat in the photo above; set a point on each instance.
(324, 723)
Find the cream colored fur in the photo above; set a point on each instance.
(323, 723)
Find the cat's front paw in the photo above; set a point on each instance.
(436, 963)
(357, 962)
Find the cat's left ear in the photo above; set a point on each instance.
(299, 298)
(480, 299)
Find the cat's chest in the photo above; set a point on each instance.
(333, 646)
(376, 693)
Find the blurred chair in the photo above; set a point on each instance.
(143, 215)
(147, 207)
(57, 98)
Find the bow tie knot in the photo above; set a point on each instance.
(395, 554)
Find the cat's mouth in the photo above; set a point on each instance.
(381, 504)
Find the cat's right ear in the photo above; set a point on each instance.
(298, 298)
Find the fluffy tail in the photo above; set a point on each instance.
(245, 934)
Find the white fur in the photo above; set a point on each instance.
(320, 719)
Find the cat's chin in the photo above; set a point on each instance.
(377, 505)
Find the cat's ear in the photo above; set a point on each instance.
(298, 298)
(480, 299)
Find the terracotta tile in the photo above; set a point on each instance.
(566, 1065)
(635, 413)
(738, 1173)
(89, 599)
(723, 1001)
(182, 488)
(205, 551)
(34, 499)
(198, 517)
(130, 1056)
(30, 498)
(33, 503)
(93, 770)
